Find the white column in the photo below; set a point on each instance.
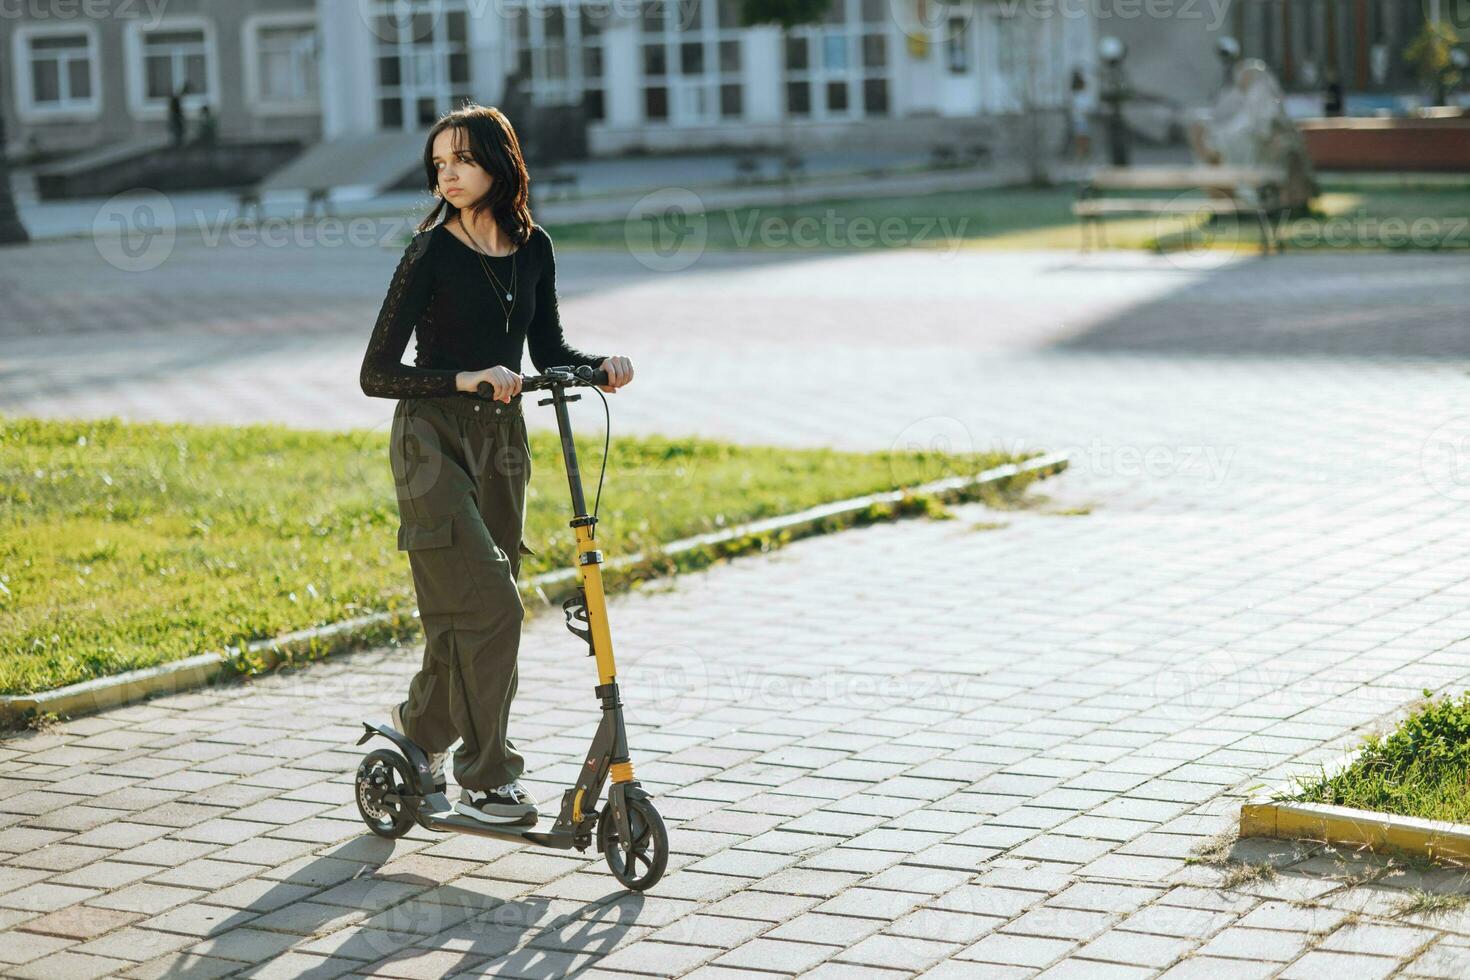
(622, 88)
(764, 70)
(486, 38)
(921, 78)
(348, 84)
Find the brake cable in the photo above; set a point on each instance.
(606, 444)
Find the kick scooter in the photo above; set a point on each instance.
(395, 789)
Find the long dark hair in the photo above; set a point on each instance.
(492, 142)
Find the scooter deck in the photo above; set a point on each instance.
(439, 814)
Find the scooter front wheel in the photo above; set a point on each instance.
(638, 863)
(383, 773)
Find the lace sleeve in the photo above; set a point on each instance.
(544, 336)
(383, 374)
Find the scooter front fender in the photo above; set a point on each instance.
(618, 796)
(416, 757)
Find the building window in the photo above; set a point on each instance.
(173, 60)
(281, 63)
(839, 68)
(957, 45)
(58, 72)
(423, 62)
(591, 22)
(693, 60)
(61, 71)
(175, 57)
(656, 102)
(558, 49)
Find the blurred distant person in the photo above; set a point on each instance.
(176, 114)
(1228, 50)
(208, 131)
(1248, 127)
(1332, 99)
(1080, 105)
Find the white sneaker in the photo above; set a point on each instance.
(436, 759)
(504, 804)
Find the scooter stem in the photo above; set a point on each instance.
(608, 756)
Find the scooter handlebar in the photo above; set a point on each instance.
(581, 375)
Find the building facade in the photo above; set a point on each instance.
(651, 74)
(78, 82)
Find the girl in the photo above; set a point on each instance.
(474, 288)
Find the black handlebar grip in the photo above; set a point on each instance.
(596, 376)
(585, 374)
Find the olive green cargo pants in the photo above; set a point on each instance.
(461, 466)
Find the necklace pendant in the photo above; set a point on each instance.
(508, 297)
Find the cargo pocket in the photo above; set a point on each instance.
(439, 574)
(526, 445)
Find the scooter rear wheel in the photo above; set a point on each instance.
(638, 863)
(382, 772)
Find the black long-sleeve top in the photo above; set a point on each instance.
(440, 292)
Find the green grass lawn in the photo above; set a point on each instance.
(1419, 769)
(127, 545)
(1347, 216)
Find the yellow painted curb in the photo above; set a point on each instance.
(1268, 816)
(1435, 839)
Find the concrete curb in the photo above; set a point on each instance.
(1267, 816)
(348, 635)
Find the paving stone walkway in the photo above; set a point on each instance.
(982, 747)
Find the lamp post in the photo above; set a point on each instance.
(1114, 93)
(12, 232)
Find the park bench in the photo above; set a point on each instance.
(248, 203)
(747, 168)
(950, 155)
(789, 166)
(559, 183)
(1220, 185)
(793, 165)
(249, 208)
